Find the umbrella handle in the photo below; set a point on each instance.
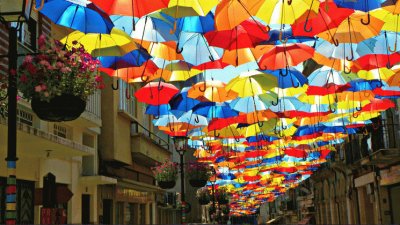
(196, 119)
(277, 101)
(263, 68)
(368, 20)
(171, 31)
(305, 26)
(280, 38)
(127, 93)
(284, 74)
(177, 50)
(352, 54)
(333, 110)
(40, 7)
(260, 123)
(115, 87)
(358, 108)
(395, 48)
(355, 115)
(335, 41)
(204, 87)
(236, 139)
(346, 70)
(215, 134)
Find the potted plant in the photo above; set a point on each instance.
(221, 195)
(198, 174)
(203, 195)
(166, 174)
(58, 81)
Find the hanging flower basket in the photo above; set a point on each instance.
(203, 195)
(59, 81)
(197, 183)
(166, 174)
(222, 196)
(166, 184)
(198, 174)
(60, 108)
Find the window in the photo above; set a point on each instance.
(125, 104)
(62, 131)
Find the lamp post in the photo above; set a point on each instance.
(213, 179)
(181, 145)
(17, 11)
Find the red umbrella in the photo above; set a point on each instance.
(374, 61)
(134, 8)
(216, 64)
(378, 105)
(294, 152)
(329, 16)
(284, 56)
(156, 93)
(246, 35)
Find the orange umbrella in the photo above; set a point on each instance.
(352, 30)
(230, 13)
(213, 90)
(142, 73)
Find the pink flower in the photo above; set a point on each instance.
(28, 59)
(65, 70)
(38, 88)
(42, 41)
(44, 87)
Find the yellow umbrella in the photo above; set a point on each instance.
(164, 50)
(252, 83)
(285, 11)
(376, 74)
(230, 13)
(390, 15)
(117, 43)
(183, 8)
(179, 71)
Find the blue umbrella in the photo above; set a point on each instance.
(124, 22)
(379, 44)
(134, 58)
(363, 5)
(88, 19)
(296, 78)
(181, 102)
(196, 24)
(195, 49)
(214, 110)
(158, 110)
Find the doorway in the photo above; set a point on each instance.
(107, 211)
(85, 209)
(394, 193)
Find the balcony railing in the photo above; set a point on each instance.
(138, 128)
(376, 137)
(93, 104)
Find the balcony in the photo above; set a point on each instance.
(146, 145)
(376, 145)
(38, 143)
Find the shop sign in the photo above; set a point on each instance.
(131, 195)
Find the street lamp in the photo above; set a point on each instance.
(213, 179)
(181, 145)
(17, 11)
